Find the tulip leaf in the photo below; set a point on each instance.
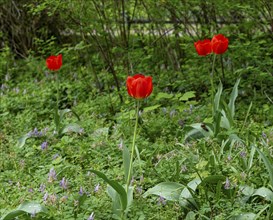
(73, 127)
(233, 97)
(26, 207)
(168, 190)
(126, 162)
(116, 186)
(267, 164)
(186, 197)
(22, 140)
(244, 216)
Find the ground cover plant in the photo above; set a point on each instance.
(136, 110)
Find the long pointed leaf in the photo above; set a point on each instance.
(267, 164)
(233, 97)
(217, 97)
(126, 162)
(116, 186)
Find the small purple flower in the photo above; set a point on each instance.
(42, 187)
(92, 216)
(120, 145)
(227, 184)
(64, 183)
(45, 197)
(97, 187)
(55, 156)
(81, 192)
(183, 168)
(172, 113)
(264, 135)
(139, 189)
(52, 175)
(229, 158)
(30, 190)
(161, 200)
(243, 154)
(44, 145)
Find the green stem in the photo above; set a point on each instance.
(57, 122)
(222, 67)
(212, 76)
(133, 148)
(58, 92)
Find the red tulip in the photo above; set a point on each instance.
(54, 62)
(203, 47)
(219, 44)
(139, 86)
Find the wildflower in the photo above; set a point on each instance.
(139, 189)
(183, 168)
(53, 198)
(54, 62)
(227, 184)
(243, 154)
(30, 190)
(52, 175)
(45, 197)
(161, 200)
(63, 199)
(139, 86)
(64, 183)
(55, 156)
(42, 187)
(92, 216)
(219, 44)
(44, 145)
(203, 47)
(97, 187)
(81, 192)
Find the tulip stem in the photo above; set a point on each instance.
(57, 118)
(133, 148)
(212, 75)
(58, 92)
(222, 66)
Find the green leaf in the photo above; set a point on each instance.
(63, 112)
(199, 130)
(186, 198)
(116, 186)
(217, 97)
(26, 207)
(214, 179)
(22, 140)
(187, 95)
(73, 127)
(169, 190)
(151, 108)
(126, 162)
(233, 97)
(163, 95)
(243, 216)
(264, 192)
(267, 164)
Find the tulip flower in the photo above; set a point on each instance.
(219, 44)
(203, 47)
(139, 86)
(54, 62)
